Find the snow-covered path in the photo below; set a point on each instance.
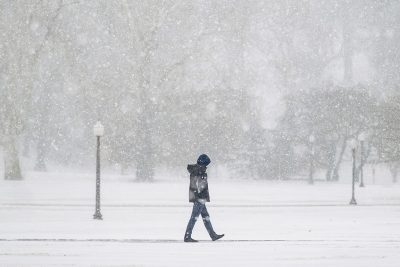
(273, 253)
(47, 221)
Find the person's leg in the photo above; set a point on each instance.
(197, 208)
(207, 223)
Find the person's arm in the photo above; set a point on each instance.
(201, 183)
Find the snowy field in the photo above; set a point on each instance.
(46, 220)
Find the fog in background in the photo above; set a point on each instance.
(268, 89)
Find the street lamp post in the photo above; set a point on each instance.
(311, 176)
(362, 139)
(353, 145)
(98, 131)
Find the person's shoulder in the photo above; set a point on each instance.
(192, 168)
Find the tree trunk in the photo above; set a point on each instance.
(335, 160)
(394, 170)
(145, 150)
(145, 162)
(394, 176)
(364, 160)
(41, 156)
(124, 168)
(26, 146)
(339, 159)
(331, 164)
(12, 170)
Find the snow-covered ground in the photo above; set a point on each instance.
(46, 220)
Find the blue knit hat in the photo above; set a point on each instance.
(203, 160)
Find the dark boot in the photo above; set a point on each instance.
(210, 229)
(216, 237)
(188, 232)
(188, 238)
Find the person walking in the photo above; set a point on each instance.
(199, 195)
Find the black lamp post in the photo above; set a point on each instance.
(311, 177)
(362, 139)
(98, 130)
(353, 145)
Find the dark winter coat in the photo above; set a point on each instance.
(198, 188)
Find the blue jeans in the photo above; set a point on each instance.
(199, 208)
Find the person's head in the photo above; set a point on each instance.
(203, 160)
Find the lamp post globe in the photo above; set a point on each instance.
(98, 131)
(353, 144)
(311, 138)
(362, 137)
